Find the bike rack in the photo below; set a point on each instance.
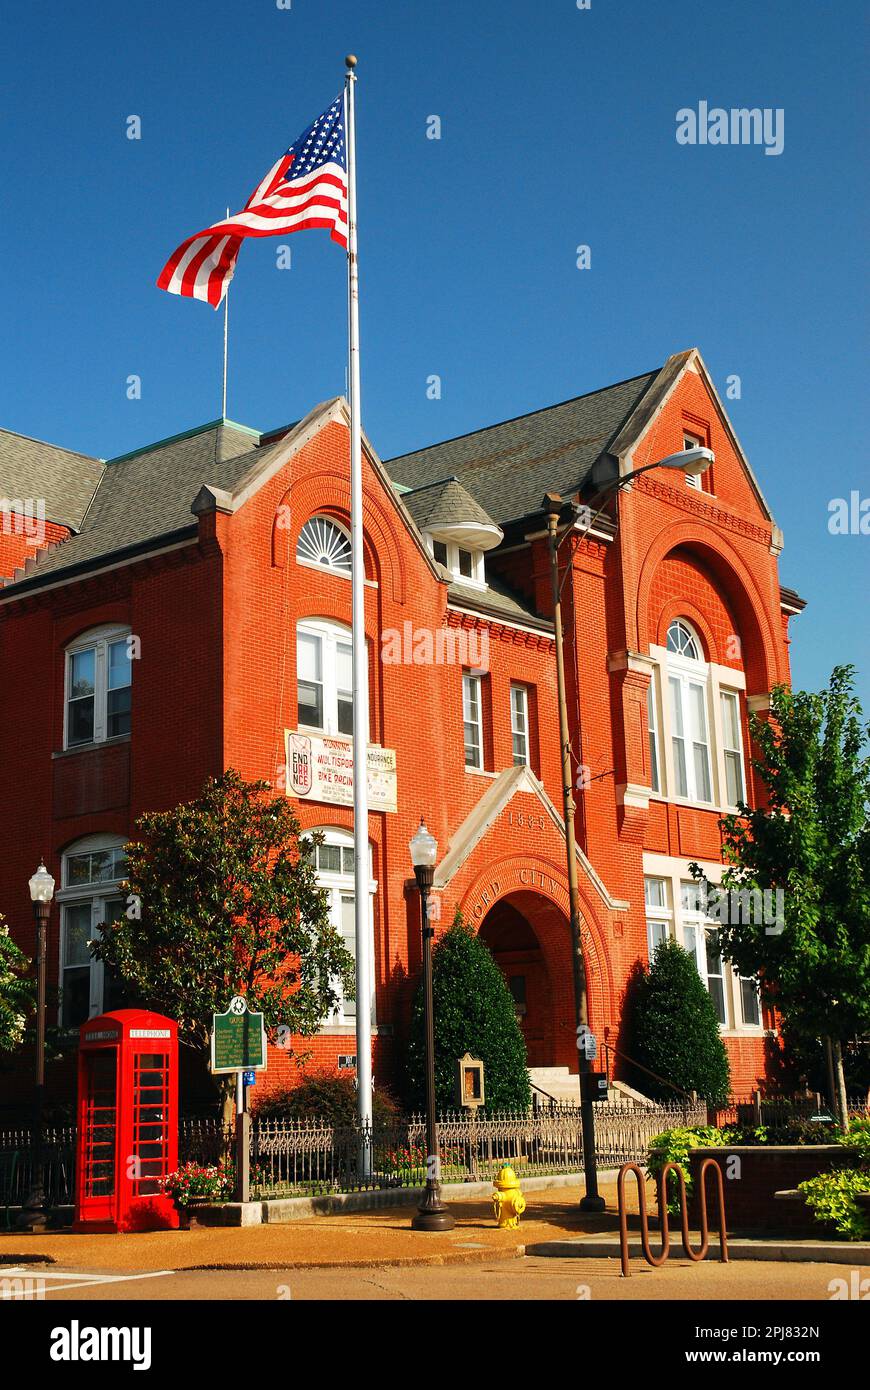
(658, 1260)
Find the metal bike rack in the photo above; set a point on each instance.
(658, 1260)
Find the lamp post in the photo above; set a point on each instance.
(33, 1216)
(693, 461)
(432, 1213)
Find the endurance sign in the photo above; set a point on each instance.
(238, 1039)
(321, 769)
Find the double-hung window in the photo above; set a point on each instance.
(520, 725)
(324, 677)
(655, 780)
(98, 687)
(701, 940)
(90, 898)
(690, 739)
(334, 862)
(472, 721)
(658, 912)
(732, 747)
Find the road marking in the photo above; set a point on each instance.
(93, 1282)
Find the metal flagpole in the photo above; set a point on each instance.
(226, 332)
(360, 659)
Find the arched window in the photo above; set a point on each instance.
(333, 859)
(683, 642)
(690, 738)
(90, 896)
(324, 543)
(98, 686)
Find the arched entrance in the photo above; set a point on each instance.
(510, 936)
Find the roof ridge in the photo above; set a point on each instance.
(524, 415)
(185, 434)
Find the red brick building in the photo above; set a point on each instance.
(194, 614)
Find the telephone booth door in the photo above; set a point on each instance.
(98, 1148)
(154, 1136)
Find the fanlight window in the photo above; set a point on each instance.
(322, 542)
(682, 642)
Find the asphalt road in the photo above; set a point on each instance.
(528, 1278)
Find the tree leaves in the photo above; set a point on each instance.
(229, 905)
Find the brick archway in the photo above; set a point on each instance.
(534, 889)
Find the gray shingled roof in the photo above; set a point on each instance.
(445, 503)
(497, 600)
(64, 479)
(148, 494)
(507, 468)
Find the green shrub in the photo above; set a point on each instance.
(474, 1013)
(832, 1198)
(327, 1096)
(674, 1146)
(857, 1140)
(676, 1030)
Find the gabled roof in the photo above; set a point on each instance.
(508, 467)
(65, 479)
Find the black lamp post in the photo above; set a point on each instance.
(33, 1216)
(432, 1214)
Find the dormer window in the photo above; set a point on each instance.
(465, 566)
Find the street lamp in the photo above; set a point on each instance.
(432, 1214)
(688, 461)
(33, 1216)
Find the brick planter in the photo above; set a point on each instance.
(765, 1169)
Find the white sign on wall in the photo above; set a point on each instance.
(320, 768)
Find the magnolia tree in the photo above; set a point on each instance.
(223, 900)
(17, 992)
(795, 905)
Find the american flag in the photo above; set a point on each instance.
(306, 187)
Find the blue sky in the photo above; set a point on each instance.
(558, 128)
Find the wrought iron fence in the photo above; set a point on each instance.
(297, 1157)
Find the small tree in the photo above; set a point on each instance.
(17, 992)
(676, 1030)
(474, 1012)
(811, 841)
(224, 901)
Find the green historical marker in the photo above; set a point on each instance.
(238, 1039)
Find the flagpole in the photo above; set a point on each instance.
(360, 660)
(226, 335)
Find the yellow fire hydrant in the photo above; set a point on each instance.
(508, 1202)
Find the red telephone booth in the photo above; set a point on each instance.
(127, 1122)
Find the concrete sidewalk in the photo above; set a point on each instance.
(380, 1237)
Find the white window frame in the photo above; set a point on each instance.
(656, 769)
(472, 719)
(317, 564)
(477, 578)
(520, 724)
(693, 480)
(659, 915)
(733, 696)
(718, 679)
(340, 885)
(96, 894)
(331, 636)
(97, 640)
(688, 925)
(687, 674)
